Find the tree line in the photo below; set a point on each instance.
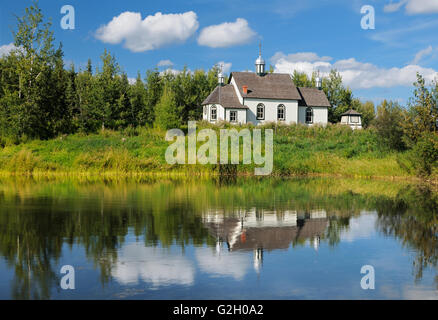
(40, 98)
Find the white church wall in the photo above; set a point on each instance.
(320, 115)
(241, 115)
(271, 107)
(220, 113)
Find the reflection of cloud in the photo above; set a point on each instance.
(360, 227)
(152, 265)
(225, 263)
(419, 293)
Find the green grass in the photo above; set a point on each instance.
(298, 150)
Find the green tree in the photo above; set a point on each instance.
(425, 153)
(154, 90)
(389, 125)
(137, 97)
(166, 112)
(422, 114)
(34, 103)
(340, 98)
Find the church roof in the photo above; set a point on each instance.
(277, 86)
(270, 86)
(225, 96)
(313, 97)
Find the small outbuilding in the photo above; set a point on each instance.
(352, 118)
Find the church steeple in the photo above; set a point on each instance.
(260, 63)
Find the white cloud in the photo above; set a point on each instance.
(227, 34)
(164, 63)
(421, 54)
(300, 56)
(398, 36)
(175, 72)
(6, 49)
(137, 262)
(355, 74)
(394, 6)
(132, 80)
(413, 6)
(226, 66)
(151, 33)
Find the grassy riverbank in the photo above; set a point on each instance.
(298, 150)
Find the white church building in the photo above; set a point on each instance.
(261, 97)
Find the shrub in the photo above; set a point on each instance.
(389, 125)
(425, 154)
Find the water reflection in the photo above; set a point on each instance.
(258, 230)
(143, 232)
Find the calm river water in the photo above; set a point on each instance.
(213, 239)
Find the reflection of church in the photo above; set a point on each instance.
(260, 230)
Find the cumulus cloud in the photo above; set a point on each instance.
(421, 54)
(151, 33)
(6, 49)
(227, 34)
(226, 66)
(164, 63)
(413, 6)
(355, 74)
(155, 266)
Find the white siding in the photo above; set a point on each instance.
(320, 115)
(241, 115)
(271, 107)
(220, 112)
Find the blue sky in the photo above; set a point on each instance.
(304, 35)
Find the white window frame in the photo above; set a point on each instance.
(311, 115)
(281, 106)
(262, 106)
(213, 108)
(234, 112)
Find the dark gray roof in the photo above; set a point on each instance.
(269, 86)
(351, 112)
(225, 96)
(312, 97)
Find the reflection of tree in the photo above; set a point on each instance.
(39, 220)
(34, 228)
(412, 217)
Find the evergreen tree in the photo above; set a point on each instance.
(166, 112)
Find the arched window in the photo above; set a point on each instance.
(309, 115)
(281, 113)
(213, 116)
(260, 111)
